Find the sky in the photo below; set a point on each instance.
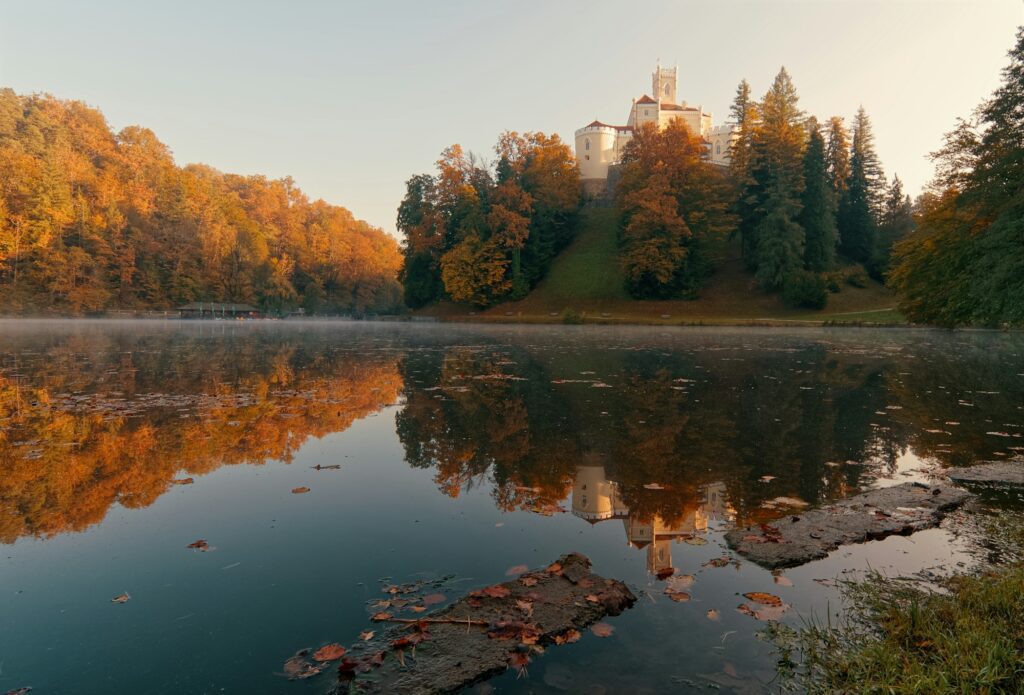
(350, 99)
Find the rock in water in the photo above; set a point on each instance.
(993, 473)
(492, 629)
(797, 539)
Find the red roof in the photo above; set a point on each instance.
(646, 100)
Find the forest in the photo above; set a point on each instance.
(92, 220)
(482, 234)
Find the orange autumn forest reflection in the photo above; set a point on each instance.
(663, 440)
(94, 424)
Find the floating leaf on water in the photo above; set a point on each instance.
(765, 613)
(697, 540)
(366, 635)
(121, 598)
(298, 667)
(418, 609)
(763, 598)
(516, 570)
(602, 629)
(431, 599)
(568, 637)
(329, 652)
(200, 544)
(681, 582)
(713, 614)
(783, 580)
(665, 572)
(678, 596)
(377, 617)
(717, 562)
(20, 691)
(300, 490)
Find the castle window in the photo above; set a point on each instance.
(718, 148)
(586, 145)
(666, 88)
(587, 157)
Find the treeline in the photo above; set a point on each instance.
(91, 220)
(803, 199)
(480, 234)
(964, 264)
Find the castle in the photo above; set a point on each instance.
(599, 145)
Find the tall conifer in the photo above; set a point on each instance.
(818, 217)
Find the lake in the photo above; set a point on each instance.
(450, 453)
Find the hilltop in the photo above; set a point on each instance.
(586, 284)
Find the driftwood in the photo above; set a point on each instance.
(488, 631)
(812, 535)
(991, 473)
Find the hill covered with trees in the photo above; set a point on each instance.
(92, 220)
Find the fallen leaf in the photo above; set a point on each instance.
(555, 568)
(712, 614)
(366, 635)
(329, 652)
(763, 598)
(418, 609)
(199, 545)
(121, 598)
(519, 661)
(377, 617)
(568, 637)
(665, 572)
(526, 607)
(602, 629)
(19, 691)
(529, 581)
(496, 591)
(697, 540)
(678, 596)
(717, 562)
(593, 598)
(516, 570)
(299, 668)
(783, 580)
(766, 613)
(681, 582)
(300, 490)
(431, 599)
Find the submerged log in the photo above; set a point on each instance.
(798, 539)
(488, 631)
(992, 473)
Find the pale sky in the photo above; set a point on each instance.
(352, 98)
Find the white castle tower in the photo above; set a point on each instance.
(599, 145)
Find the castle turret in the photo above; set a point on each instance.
(663, 84)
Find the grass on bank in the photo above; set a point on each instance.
(901, 638)
(586, 285)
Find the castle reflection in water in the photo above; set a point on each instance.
(596, 499)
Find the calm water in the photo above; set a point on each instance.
(459, 451)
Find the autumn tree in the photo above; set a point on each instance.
(964, 263)
(673, 201)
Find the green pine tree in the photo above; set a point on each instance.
(860, 204)
(818, 217)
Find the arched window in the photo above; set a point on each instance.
(586, 144)
(666, 88)
(718, 148)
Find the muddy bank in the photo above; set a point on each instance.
(994, 473)
(492, 629)
(812, 535)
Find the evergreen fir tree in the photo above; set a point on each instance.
(897, 223)
(860, 204)
(777, 241)
(838, 155)
(818, 217)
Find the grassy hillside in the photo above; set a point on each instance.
(585, 280)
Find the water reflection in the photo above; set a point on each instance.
(666, 433)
